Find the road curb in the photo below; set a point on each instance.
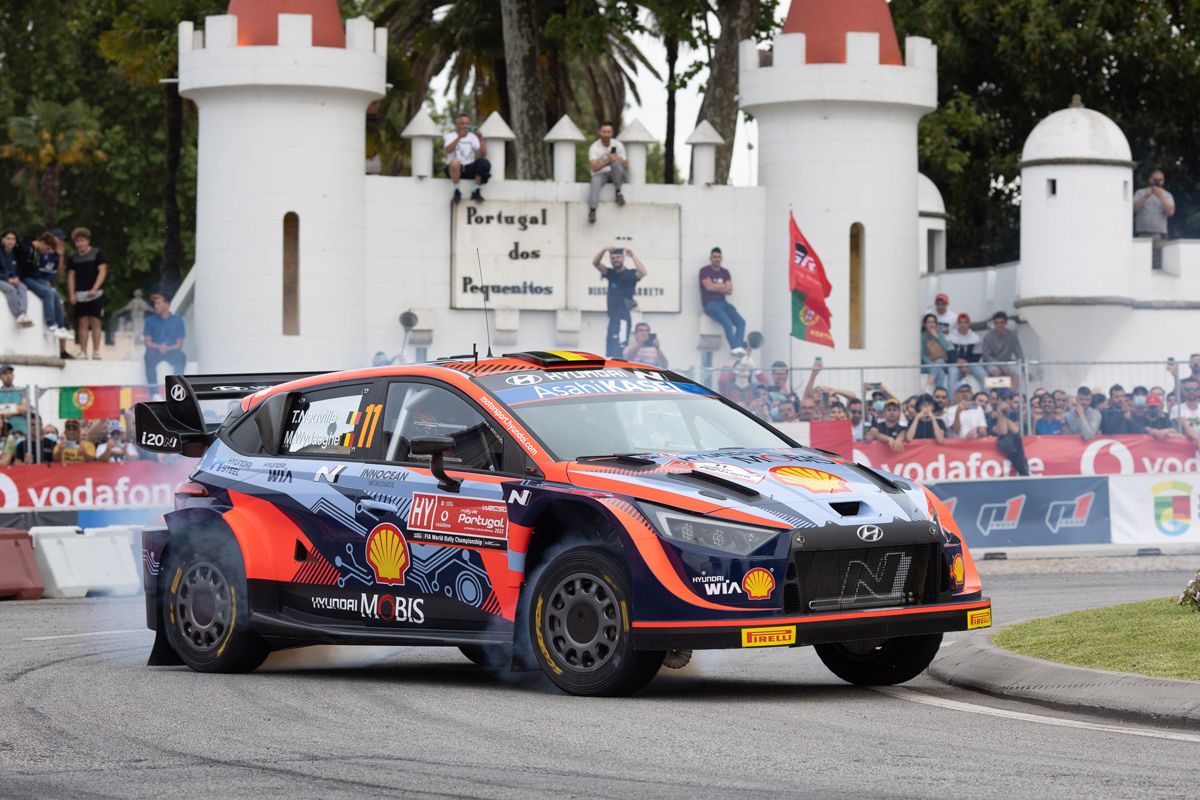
(976, 663)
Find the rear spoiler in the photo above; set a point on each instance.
(176, 425)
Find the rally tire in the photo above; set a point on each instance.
(880, 662)
(204, 608)
(579, 626)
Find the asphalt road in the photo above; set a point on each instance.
(81, 717)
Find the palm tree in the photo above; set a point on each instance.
(142, 43)
(677, 23)
(48, 138)
(586, 56)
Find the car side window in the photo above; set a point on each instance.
(330, 422)
(422, 409)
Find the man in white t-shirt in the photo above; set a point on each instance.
(606, 157)
(465, 149)
(1188, 411)
(941, 310)
(964, 350)
(964, 419)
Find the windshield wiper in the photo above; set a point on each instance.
(625, 458)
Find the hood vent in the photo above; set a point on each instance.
(847, 508)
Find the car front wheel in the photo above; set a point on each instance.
(580, 628)
(880, 662)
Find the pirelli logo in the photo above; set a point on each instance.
(769, 637)
(979, 619)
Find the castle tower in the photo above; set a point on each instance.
(1076, 278)
(282, 89)
(837, 110)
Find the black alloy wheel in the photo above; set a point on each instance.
(579, 626)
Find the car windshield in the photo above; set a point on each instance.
(641, 423)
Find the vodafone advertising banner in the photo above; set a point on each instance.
(1155, 509)
(135, 484)
(969, 460)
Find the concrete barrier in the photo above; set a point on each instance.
(19, 576)
(76, 563)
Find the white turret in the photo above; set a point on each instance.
(837, 112)
(1076, 209)
(280, 186)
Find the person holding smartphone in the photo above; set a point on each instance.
(72, 448)
(606, 157)
(622, 286)
(465, 150)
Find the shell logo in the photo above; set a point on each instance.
(387, 553)
(758, 584)
(814, 480)
(959, 569)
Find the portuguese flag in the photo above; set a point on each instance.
(89, 402)
(810, 287)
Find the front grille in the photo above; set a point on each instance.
(874, 577)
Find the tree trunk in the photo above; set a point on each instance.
(525, 88)
(49, 187)
(170, 270)
(720, 104)
(672, 45)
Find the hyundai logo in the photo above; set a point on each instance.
(523, 380)
(870, 533)
(177, 392)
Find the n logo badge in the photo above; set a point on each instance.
(329, 474)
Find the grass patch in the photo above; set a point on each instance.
(1155, 637)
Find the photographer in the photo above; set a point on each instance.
(606, 157)
(927, 425)
(115, 448)
(644, 347)
(622, 285)
(72, 449)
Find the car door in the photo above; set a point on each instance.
(444, 551)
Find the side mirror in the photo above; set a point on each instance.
(436, 448)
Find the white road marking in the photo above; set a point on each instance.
(89, 633)
(971, 708)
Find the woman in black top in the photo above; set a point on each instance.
(86, 271)
(926, 425)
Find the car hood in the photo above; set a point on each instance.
(783, 487)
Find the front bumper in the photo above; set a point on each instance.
(806, 629)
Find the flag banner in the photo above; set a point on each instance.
(89, 402)
(809, 287)
(807, 324)
(130, 395)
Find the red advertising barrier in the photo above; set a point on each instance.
(19, 576)
(978, 459)
(132, 484)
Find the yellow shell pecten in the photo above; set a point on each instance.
(758, 584)
(387, 553)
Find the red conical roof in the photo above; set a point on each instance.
(258, 20)
(826, 23)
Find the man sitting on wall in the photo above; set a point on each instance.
(465, 150)
(163, 333)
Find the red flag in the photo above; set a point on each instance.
(810, 287)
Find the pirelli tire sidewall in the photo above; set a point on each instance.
(623, 670)
(233, 645)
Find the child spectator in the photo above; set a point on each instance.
(10, 280)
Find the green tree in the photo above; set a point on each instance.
(679, 23)
(1003, 67)
(50, 137)
(143, 44)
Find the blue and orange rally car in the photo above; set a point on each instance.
(548, 509)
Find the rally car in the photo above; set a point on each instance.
(549, 510)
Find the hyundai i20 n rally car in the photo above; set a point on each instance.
(545, 509)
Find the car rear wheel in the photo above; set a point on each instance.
(579, 626)
(205, 611)
(880, 662)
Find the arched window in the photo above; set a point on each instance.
(291, 274)
(858, 303)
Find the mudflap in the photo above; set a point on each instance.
(162, 654)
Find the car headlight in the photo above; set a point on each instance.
(692, 529)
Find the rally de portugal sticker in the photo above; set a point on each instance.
(460, 521)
